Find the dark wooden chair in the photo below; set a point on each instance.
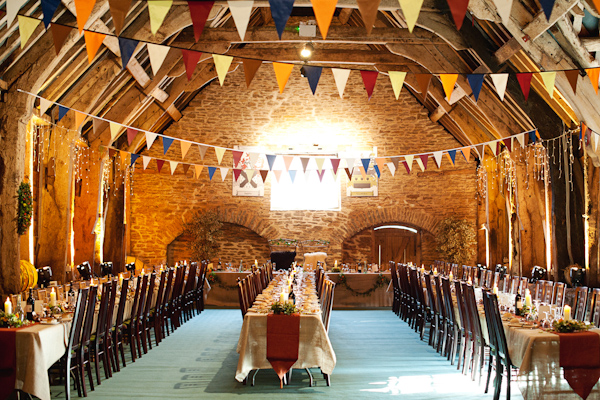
(157, 315)
(145, 323)
(581, 302)
(97, 342)
(595, 307)
(117, 333)
(70, 367)
(166, 310)
(452, 330)
(82, 353)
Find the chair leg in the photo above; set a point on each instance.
(68, 377)
(96, 359)
(489, 373)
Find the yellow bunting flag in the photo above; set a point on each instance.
(219, 151)
(93, 41)
(282, 73)
(448, 82)
(185, 146)
(158, 10)
(409, 161)
(411, 10)
(222, 64)
(521, 139)
(319, 161)
(114, 130)
(79, 118)
(397, 79)
(548, 78)
(593, 74)
(26, 28)
(83, 8)
(324, 10)
(494, 147)
(198, 169)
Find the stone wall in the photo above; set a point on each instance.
(260, 116)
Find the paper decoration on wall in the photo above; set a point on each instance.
(186, 167)
(572, 76)
(313, 74)
(503, 7)
(222, 64)
(118, 12)
(452, 155)
(500, 82)
(150, 138)
(369, 79)
(547, 6)
(240, 11)
(250, 68)
(466, 153)
(93, 41)
(365, 163)
(59, 35)
(340, 76)
(593, 74)
(281, 11)
(335, 164)
(448, 82)
(397, 80)
(282, 73)
(83, 9)
(219, 151)
(185, 147)
(368, 11)
(324, 10)
(12, 9)
(521, 139)
(476, 82)
(26, 28)
(157, 55)
(190, 60)
(126, 47)
(508, 143)
(458, 8)
(48, 9)
(548, 78)
(199, 12)
(376, 168)
(159, 164)
(349, 173)
(263, 174)
(131, 134)
(525, 83)
(277, 174)
(236, 173)
(173, 166)
(304, 161)
(158, 10)
(237, 155)
(423, 81)
(114, 130)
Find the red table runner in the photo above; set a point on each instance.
(283, 339)
(8, 361)
(580, 360)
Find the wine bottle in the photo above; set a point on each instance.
(518, 304)
(30, 305)
(19, 310)
(71, 296)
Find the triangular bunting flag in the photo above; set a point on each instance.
(368, 11)
(253, 159)
(397, 79)
(319, 161)
(437, 156)
(304, 161)
(411, 10)
(423, 81)
(335, 164)
(369, 78)
(118, 11)
(321, 174)
(481, 151)
(521, 139)
(190, 60)
(363, 172)
(48, 9)
(219, 151)
(466, 152)
(380, 162)
(525, 83)
(281, 11)
(476, 82)
(500, 81)
(114, 130)
(408, 169)
(392, 168)
(211, 172)
(376, 168)
(26, 28)
(350, 162)
(150, 138)
(157, 55)
(349, 172)
(237, 156)
(277, 174)
(250, 68)
(424, 158)
(572, 76)
(59, 35)
(202, 150)
(93, 41)
(409, 161)
(493, 147)
(324, 10)
(287, 160)
(186, 167)
(593, 74)
(199, 11)
(62, 111)
(292, 174)
(98, 125)
(224, 172)
(123, 155)
(263, 174)
(341, 78)
(420, 164)
(250, 174)
(79, 118)
(111, 153)
(240, 11)
(532, 136)
(131, 134)
(173, 165)
(448, 82)
(83, 9)
(12, 9)
(282, 73)
(395, 161)
(548, 78)
(236, 173)
(458, 8)
(334, 175)
(146, 161)
(127, 47)
(44, 105)
(365, 163)
(271, 160)
(452, 154)
(159, 164)
(222, 64)
(185, 147)
(198, 170)
(167, 142)
(313, 74)
(503, 7)
(547, 6)
(158, 10)
(508, 143)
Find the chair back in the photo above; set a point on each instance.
(558, 295)
(160, 294)
(489, 321)
(122, 303)
(539, 288)
(149, 295)
(595, 307)
(502, 346)
(448, 303)
(581, 296)
(142, 298)
(523, 286)
(496, 282)
(103, 311)
(514, 285)
(241, 297)
(136, 299)
(89, 316)
(471, 306)
(439, 297)
(548, 292)
(506, 284)
(430, 294)
(77, 321)
(465, 322)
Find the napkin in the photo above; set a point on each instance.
(283, 339)
(580, 360)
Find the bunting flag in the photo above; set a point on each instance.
(363, 172)
(250, 174)
(224, 172)
(481, 151)
(547, 6)
(159, 164)
(12, 9)
(572, 76)
(26, 28)
(458, 8)
(392, 168)
(411, 10)
(368, 11)
(263, 174)
(350, 162)
(532, 136)
(408, 169)
(277, 174)
(376, 168)
(292, 174)
(452, 155)
(466, 152)
(287, 160)
(202, 150)
(525, 83)
(409, 161)
(593, 74)
(131, 134)
(493, 147)
(395, 161)
(500, 82)
(304, 161)
(44, 105)
(93, 41)
(240, 11)
(253, 158)
(157, 55)
(158, 10)
(340, 76)
(62, 111)
(324, 10)
(237, 156)
(199, 12)
(219, 151)
(380, 162)
(173, 166)
(185, 147)
(423, 81)
(369, 79)
(437, 156)
(198, 170)
(313, 74)
(271, 160)
(548, 78)
(222, 64)
(397, 80)
(321, 174)
(98, 125)
(126, 47)
(282, 73)
(114, 130)
(167, 142)
(335, 163)
(134, 158)
(145, 161)
(448, 82)
(150, 138)
(476, 82)
(118, 12)
(79, 119)
(59, 35)
(521, 139)
(211, 172)
(424, 158)
(503, 7)
(250, 68)
(190, 60)
(319, 161)
(508, 143)
(281, 11)
(365, 163)
(186, 167)
(48, 9)
(236, 173)
(83, 9)
(349, 172)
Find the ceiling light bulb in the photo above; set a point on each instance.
(307, 51)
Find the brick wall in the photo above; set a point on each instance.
(260, 116)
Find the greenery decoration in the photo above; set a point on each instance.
(11, 320)
(25, 210)
(568, 326)
(213, 280)
(381, 281)
(287, 308)
(205, 230)
(456, 240)
(336, 269)
(283, 242)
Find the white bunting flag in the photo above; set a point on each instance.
(240, 11)
(253, 159)
(12, 9)
(350, 163)
(150, 138)
(420, 164)
(504, 7)
(595, 141)
(341, 78)
(44, 105)
(437, 156)
(392, 168)
(224, 172)
(157, 55)
(521, 139)
(146, 160)
(222, 64)
(548, 78)
(173, 165)
(500, 81)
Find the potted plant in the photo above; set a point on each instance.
(205, 230)
(455, 240)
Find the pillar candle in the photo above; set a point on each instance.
(8, 306)
(281, 297)
(335, 265)
(52, 298)
(256, 263)
(496, 290)
(451, 277)
(528, 300)
(120, 279)
(567, 313)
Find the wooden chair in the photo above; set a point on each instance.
(548, 292)
(73, 345)
(581, 303)
(145, 323)
(479, 343)
(539, 290)
(117, 333)
(441, 323)
(503, 361)
(492, 344)
(157, 316)
(506, 284)
(595, 307)
(523, 286)
(452, 331)
(465, 328)
(514, 284)
(166, 311)
(431, 311)
(558, 294)
(97, 343)
(82, 353)
(242, 298)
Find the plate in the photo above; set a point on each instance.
(513, 325)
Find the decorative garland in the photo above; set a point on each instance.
(381, 281)
(25, 209)
(213, 280)
(283, 242)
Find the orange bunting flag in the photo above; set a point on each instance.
(198, 169)
(423, 81)
(324, 10)
(448, 82)
(593, 74)
(93, 41)
(59, 35)
(79, 118)
(466, 151)
(83, 9)
(185, 146)
(282, 73)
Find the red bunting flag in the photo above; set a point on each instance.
(525, 83)
(190, 60)
(335, 163)
(406, 166)
(424, 158)
(237, 156)
(369, 78)
(199, 11)
(236, 173)
(458, 8)
(159, 164)
(131, 134)
(508, 143)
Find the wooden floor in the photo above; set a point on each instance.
(378, 356)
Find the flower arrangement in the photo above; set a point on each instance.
(336, 269)
(25, 210)
(212, 278)
(341, 279)
(11, 320)
(571, 325)
(287, 308)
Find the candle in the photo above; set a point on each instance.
(121, 278)
(52, 298)
(495, 290)
(435, 271)
(8, 306)
(451, 277)
(256, 263)
(335, 264)
(470, 282)
(567, 313)
(528, 299)
(281, 297)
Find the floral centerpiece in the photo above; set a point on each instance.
(287, 308)
(11, 320)
(569, 326)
